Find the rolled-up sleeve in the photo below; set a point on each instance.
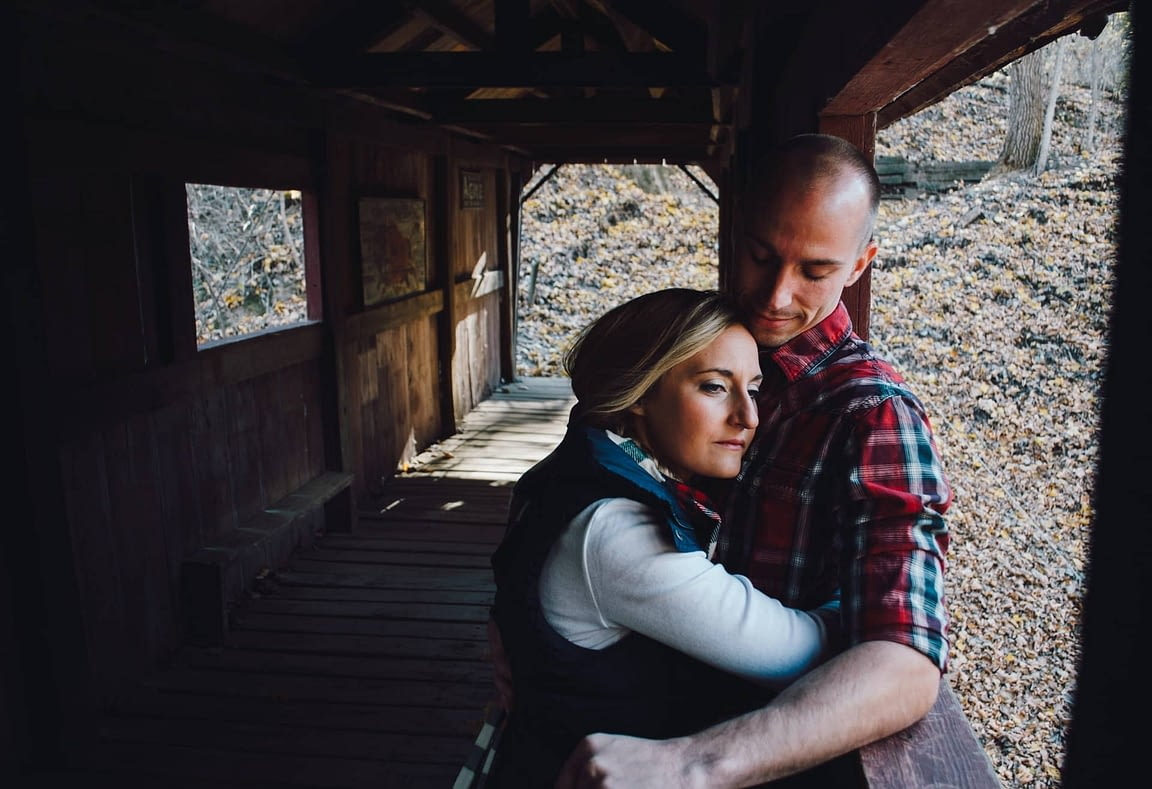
(897, 542)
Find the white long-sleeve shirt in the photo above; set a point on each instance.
(615, 570)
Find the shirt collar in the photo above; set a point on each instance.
(799, 355)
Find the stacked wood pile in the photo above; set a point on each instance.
(902, 178)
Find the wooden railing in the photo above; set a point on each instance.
(941, 750)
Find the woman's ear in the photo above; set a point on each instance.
(637, 408)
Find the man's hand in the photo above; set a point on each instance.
(613, 761)
(500, 667)
(867, 692)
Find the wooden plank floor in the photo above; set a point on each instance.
(362, 663)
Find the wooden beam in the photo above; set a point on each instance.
(703, 187)
(441, 234)
(727, 29)
(393, 315)
(651, 135)
(860, 130)
(598, 153)
(664, 23)
(995, 52)
(695, 109)
(401, 100)
(425, 39)
(467, 290)
(947, 43)
(545, 25)
(507, 215)
(939, 32)
(540, 69)
(445, 18)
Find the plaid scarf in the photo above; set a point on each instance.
(694, 504)
(701, 514)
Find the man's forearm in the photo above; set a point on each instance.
(862, 695)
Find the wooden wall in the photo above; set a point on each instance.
(401, 394)
(142, 449)
(477, 265)
(161, 449)
(384, 352)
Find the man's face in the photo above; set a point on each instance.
(797, 251)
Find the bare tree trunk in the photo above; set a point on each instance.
(1025, 114)
(1050, 110)
(1093, 107)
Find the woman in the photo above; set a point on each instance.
(611, 614)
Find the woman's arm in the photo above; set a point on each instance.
(615, 570)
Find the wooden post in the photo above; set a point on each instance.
(508, 186)
(442, 236)
(860, 130)
(340, 402)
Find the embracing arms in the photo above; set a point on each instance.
(867, 692)
(616, 571)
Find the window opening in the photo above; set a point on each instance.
(247, 251)
(594, 236)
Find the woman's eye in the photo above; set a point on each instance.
(713, 388)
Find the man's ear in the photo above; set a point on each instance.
(862, 263)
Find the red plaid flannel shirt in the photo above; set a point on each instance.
(843, 491)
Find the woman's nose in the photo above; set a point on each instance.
(746, 414)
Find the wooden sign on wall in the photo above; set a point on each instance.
(471, 189)
(392, 248)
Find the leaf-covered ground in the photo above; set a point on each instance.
(993, 299)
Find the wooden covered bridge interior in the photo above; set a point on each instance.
(216, 570)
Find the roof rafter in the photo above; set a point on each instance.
(995, 53)
(662, 22)
(445, 18)
(693, 109)
(926, 59)
(359, 28)
(538, 69)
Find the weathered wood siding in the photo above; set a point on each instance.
(148, 449)
(161, 449)
(387, 353)
(475, 264)
(146, 491)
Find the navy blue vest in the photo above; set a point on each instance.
(562, 691)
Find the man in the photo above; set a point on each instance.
(842, 489)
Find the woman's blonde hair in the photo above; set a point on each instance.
(621, 355)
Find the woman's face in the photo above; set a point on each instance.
(701, 414)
